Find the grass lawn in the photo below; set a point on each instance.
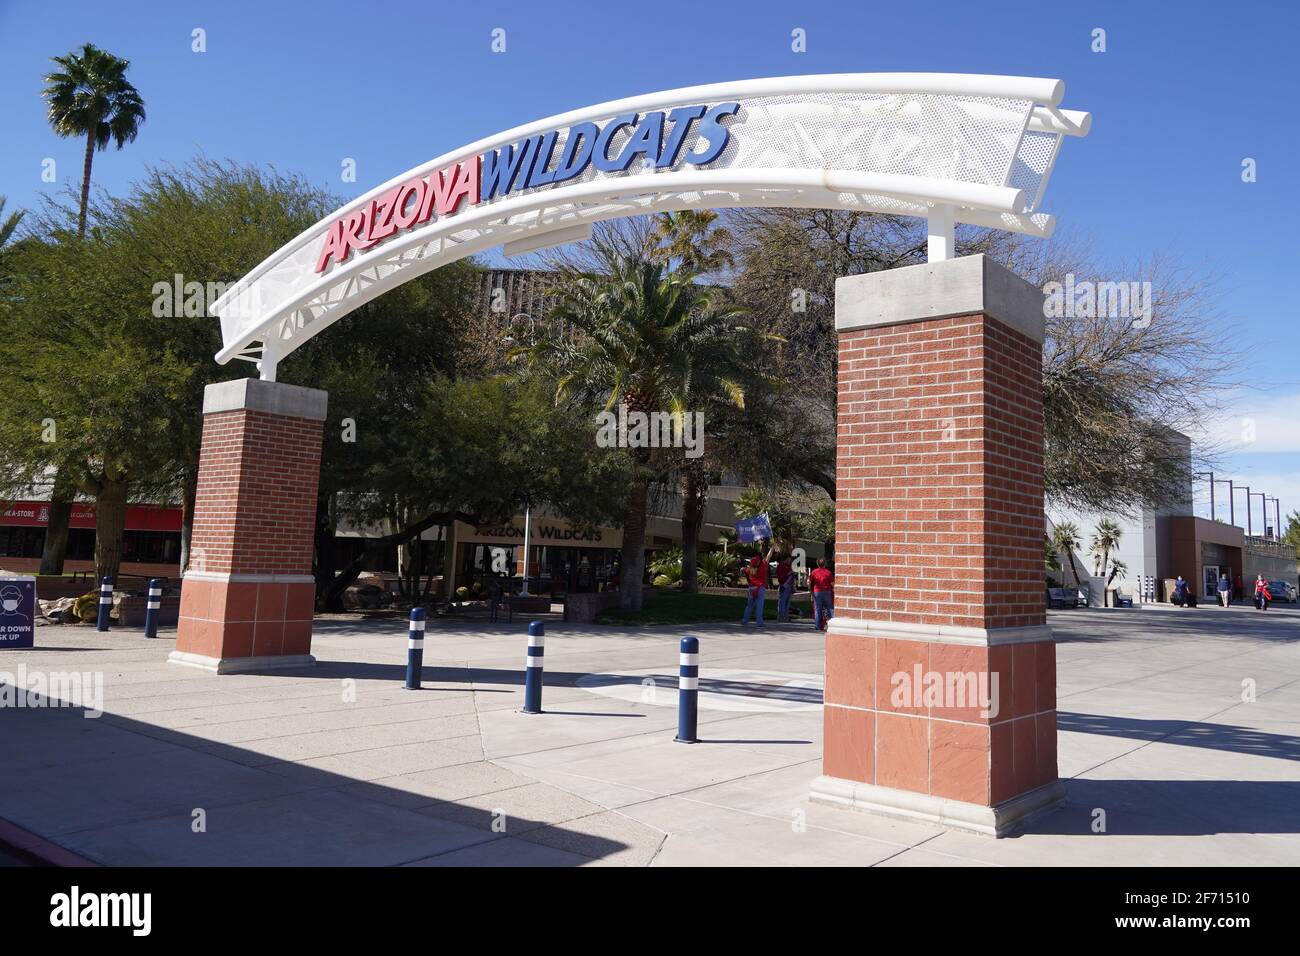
(675, 607)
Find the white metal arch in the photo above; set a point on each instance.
(947, 147)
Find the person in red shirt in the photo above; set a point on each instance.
(785, 582)
(1262, 595)
(822, 582)
(756, 587)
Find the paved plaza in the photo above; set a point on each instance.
(1179, 730)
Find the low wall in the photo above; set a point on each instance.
(583, 608)
(130, 611)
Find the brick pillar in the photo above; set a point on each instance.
(248, 596)
(939, 595)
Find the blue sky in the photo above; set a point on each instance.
(1182, 94)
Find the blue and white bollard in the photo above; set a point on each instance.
(151, 607)
(105, 603)
(688, 691)
(415, 649)
(533, 667)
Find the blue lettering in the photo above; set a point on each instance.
(644, 142)
(576, 153)
(541, 176)
(681, 118)
(712, 129)
(600, 155)
(500, 167)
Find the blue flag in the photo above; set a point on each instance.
(752, 529)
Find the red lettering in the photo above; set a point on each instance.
(414, 189)
(414, 202)
(363, 240)
(465, 188)
(381, 220)
(334, 246)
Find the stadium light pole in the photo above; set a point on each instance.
(1248, 528)
(1232, 511)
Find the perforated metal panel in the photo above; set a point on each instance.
(863, 142)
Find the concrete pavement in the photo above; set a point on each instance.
(1180, 736)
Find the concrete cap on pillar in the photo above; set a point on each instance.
(276, 397)
(936, 290)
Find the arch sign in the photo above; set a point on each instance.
(947, 147)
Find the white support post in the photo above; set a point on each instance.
(270, 359)
(942, 225)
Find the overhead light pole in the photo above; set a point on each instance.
(1232, 511)
(1249, 531)
(1210, 475)
(1263, 510)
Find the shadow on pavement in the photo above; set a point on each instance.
(1185, 733)
(120, 803)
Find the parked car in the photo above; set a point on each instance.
(1063, 597)
(1282, 591)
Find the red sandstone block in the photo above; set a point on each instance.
(268, 638)
(1024, 740)
(236, 639)
(902, 752)
(849, 744)
(959, 761)
(1024, 680)
(850, 670)
(896, 668)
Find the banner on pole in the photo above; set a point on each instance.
(752, 529)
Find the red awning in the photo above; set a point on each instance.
(138, 517)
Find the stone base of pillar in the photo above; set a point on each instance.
(992, 821)
(240, 665)
(248, 597)
(940, 700)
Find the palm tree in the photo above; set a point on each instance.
(693, 239)
(1104, 540)
(1065, 538)
(1117, 570)
(7, 226)
(696, 244)
(636, 334)
(89, 95)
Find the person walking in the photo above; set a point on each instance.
(1225, 590)
(1180, 591)
(822, 582)
(1262, 595)
(756, 585)
(1238, 589)
(785, 582)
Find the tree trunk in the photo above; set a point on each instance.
(85, 178)
(632, 568)
(110, 527)
(56, 527)
(329, 596)
(189, 492)
(694, 499)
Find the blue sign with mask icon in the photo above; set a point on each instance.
(17, 612)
